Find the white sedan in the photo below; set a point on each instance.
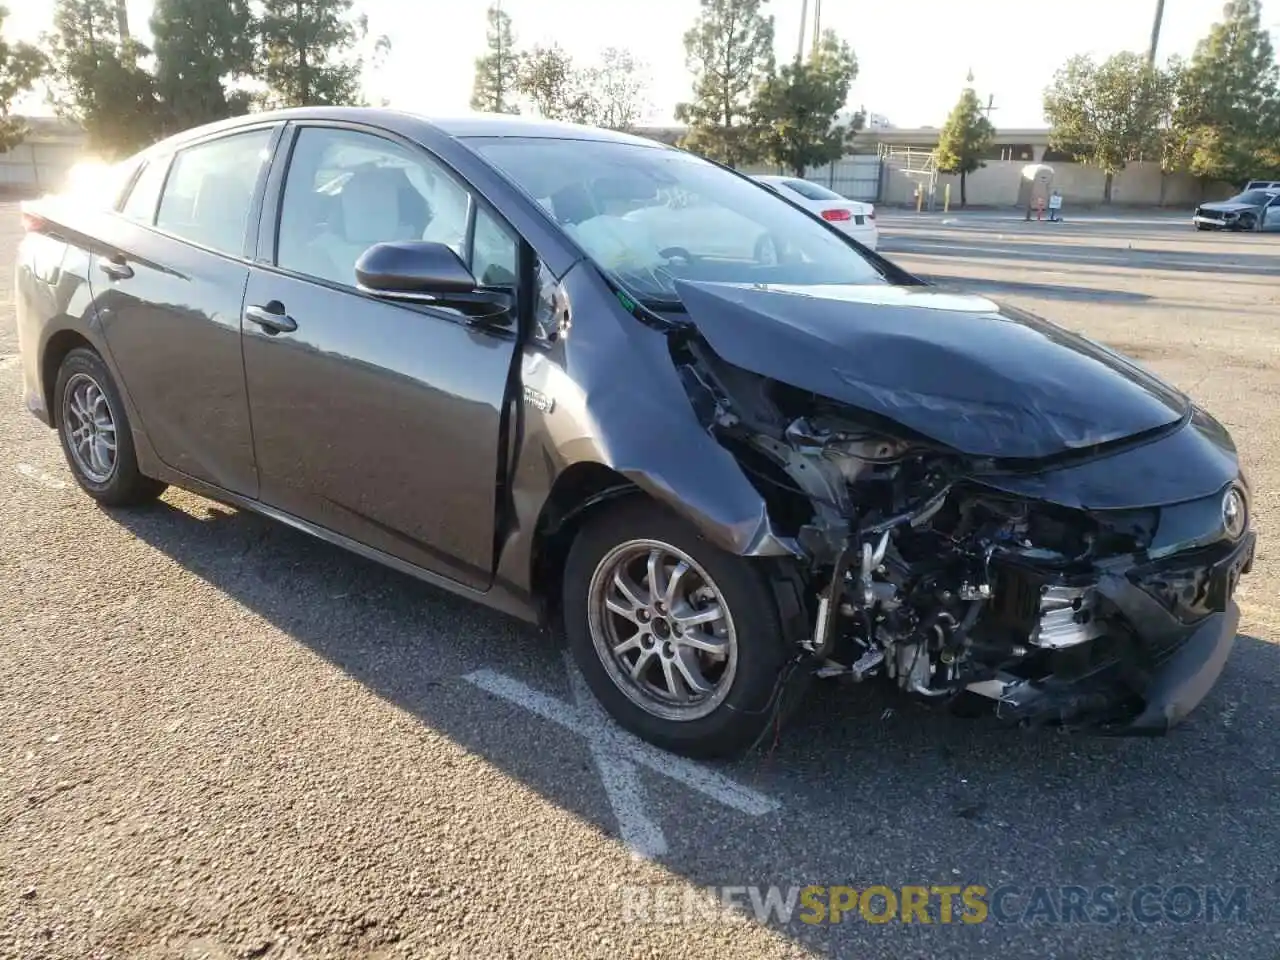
(853, 217)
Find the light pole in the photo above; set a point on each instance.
(1155, 33)
(804, 20)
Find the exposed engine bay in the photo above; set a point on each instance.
(922, 574)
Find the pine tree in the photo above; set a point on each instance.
(96, 80)
(964, 138)
(1227, 120)
(306, 52)
(198, 45)
(497, 72)
(729, 50)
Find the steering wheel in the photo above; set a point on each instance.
(766, 251)
(677, 253)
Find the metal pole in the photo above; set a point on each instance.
(804, 19)
(1155, 33)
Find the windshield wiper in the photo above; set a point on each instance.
(669, 304)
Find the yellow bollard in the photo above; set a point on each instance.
(946, 198)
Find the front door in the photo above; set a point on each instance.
(169, 289)
(379, 421)
(1270, 219)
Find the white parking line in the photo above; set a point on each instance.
(621, 777)
(617, 755)
(40, 477)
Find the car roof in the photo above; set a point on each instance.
(461, 126)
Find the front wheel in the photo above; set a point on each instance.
(678, 639)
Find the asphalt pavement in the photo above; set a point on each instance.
(222, 739)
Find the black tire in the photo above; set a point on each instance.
(123, 485)
(1245, 223)
(1202, 226)
(755, 694)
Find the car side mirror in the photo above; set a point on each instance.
(422, 271)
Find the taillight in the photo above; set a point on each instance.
(871, 214)
(33, 223)
(835, 216)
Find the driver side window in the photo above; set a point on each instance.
(345, 191)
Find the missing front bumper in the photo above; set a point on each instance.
(1150, 693)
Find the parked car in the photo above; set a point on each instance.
(1262, 185)
(853, 217)
(1254, 209)
(498, 354)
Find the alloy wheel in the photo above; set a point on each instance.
(90, 428)
(662, 629)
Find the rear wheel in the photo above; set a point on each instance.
(95, 434)
(678, 639)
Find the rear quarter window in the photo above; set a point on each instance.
(144, 196)
(811, 191)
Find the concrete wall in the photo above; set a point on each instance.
(37, 165)
(996, 185)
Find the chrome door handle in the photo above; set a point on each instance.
(271, 321)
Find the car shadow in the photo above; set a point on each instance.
(875, 788)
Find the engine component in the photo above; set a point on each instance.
(872, 558)
(1068, 616)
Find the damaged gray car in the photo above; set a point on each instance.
(609, 387)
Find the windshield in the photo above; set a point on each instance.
(651, 216)
(1252, 196)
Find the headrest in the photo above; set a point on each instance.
(371, 205)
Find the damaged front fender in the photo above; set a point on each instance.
(599, 387)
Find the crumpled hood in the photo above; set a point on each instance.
(982, 379)
(1227, 206)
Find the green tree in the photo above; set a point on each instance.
(616, 89)
(1227, 121)
(306, 52)
(21, 65)
(729, 50)
(1108, 114)
(497, 72)
(795, 110)
(554, 86)
(200, 47)
(965, 137)
(95, 78)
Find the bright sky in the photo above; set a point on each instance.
(913, 55)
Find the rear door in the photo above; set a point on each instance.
(169, 288)
(379, 421)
